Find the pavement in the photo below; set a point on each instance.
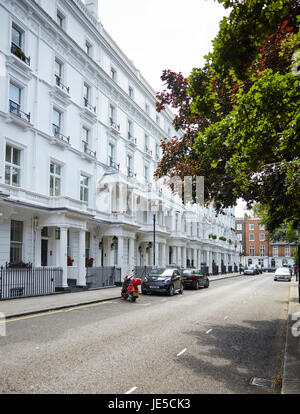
(291, 359)
(291, 364)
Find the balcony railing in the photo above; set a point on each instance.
(88, 105)
(113, 164)
(14, 108)
(87, 150)
(114, 125)
(61, 85)
(59, 135)
(131, 138)
(148, 150)
(17, 51)
(130, 173)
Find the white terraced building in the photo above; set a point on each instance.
(76, 117)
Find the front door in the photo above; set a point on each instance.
(44, 252)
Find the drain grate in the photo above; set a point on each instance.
(261, 382)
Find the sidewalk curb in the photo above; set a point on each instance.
(88, 302)
(73, 305)
(291, 364)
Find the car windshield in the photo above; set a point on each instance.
(282, 271)
(189, 272)
(156, 272)
(168, 272)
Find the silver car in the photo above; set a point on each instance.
(283, 273)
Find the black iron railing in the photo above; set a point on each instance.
(114, 125)
(105, 276)
(14, 108)
(17, 51)
(113, 164)
(16, 282)
(89, 106)
(61, 85)
(87, 150)
(59, 135)
(131, 138)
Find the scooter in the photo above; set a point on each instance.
(130, 288)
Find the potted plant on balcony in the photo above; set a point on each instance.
(70, 261)
(89, 262)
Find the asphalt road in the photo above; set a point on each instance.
(207, 341)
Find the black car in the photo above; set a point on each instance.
(194, 279)
(169, 282)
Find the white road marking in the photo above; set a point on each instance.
(208, 331)
(226, 317)
(181, 352)
(131, 390)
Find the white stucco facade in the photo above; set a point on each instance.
(76, 116)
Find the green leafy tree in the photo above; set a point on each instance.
(239, 115)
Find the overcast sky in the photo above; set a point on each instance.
(163, 34)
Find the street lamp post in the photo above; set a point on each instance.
(154, 220)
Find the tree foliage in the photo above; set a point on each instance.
(238, 116)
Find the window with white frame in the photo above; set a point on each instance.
(56, 122)
(14, 98)
(12, 166)
(84, 188)
(287, 251)
(17, 36)
(113, 74)
(261, 237)
(157, 155)
(129, 165)
(111, 154)
(251, 237)
(16, 241)
(112, 114)
(60, 19)
(131, 92)
(146, 143)
(88, 48)
(86, 94)
(239, 226)
(240, 236)
(275, 251)
(130, 128)
(251, 226)
(251, 250)
(261, 227)
(147, 108)
(262, 250)
(55, 179)
(85, 134)
(146, 173)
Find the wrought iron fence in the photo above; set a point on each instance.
(105, 276)
(29, 281)
(142, 271)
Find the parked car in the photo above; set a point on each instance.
(258, 269)
(250, 270)
(169, 282)
(271, 269)
(283, 273)
(194, 278)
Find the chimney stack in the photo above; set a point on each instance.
(92, 6)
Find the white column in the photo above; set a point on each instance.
(63, 252)
(38, 248)
(131, 253)
(184, 257)
(163, 255)
(81, 259)
(120, 251)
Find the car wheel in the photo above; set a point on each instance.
(171, 290)
(196, 285)
(207, 284)
(181, 289)
(144, 292)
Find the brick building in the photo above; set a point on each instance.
(258, 249)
